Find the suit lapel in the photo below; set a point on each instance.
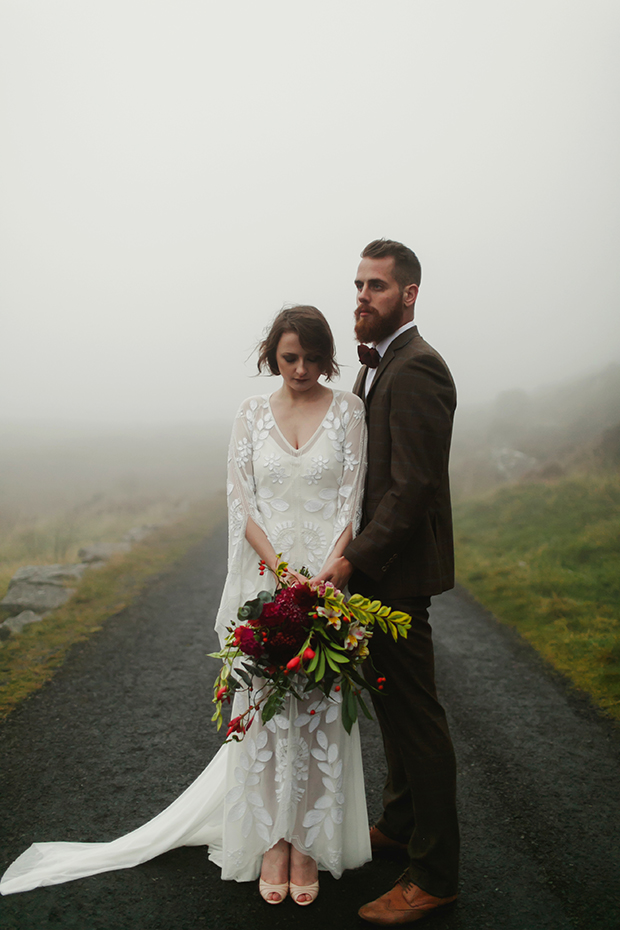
(398, 343)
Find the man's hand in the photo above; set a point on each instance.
(337, 569)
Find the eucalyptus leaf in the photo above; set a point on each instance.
(244, 676)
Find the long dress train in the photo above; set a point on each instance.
(298, 777)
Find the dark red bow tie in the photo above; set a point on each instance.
(368, 356)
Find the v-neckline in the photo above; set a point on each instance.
(315, 433)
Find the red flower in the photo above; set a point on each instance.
(309, 654)
(235, 726)
(271, 615)
(285, 643)
(245, 640)
(293, 664)
(292, 605)
(304, 596)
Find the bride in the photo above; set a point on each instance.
(288, 799)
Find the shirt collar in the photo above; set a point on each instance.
(382, 346)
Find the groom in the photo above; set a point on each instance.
(403, 555)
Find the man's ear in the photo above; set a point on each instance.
(409, 295)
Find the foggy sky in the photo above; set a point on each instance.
(172, 173)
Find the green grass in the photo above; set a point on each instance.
(545, 558)
(29, 659)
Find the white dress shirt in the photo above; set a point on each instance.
(381, 348)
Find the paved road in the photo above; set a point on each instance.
(124, 727)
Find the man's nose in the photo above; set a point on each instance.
(362, 295)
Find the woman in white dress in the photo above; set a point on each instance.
(288, 798)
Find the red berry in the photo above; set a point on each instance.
(337, 688)
(312, 713)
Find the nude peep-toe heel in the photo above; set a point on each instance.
(298, 890)
(265, 888)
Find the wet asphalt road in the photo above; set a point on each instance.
(124, 727)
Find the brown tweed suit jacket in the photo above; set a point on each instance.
(405, 546)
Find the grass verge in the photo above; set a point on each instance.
(28, 660)
(545, 558)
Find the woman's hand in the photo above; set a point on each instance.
(300, 579)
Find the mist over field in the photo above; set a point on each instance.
(173, 173)
(47, 466)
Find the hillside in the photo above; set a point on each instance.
(557, 430)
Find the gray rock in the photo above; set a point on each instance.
(24, 595)
(16, 624)
(49, 574)
(99, 552)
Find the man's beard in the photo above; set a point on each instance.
(374, 328)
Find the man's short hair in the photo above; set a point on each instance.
(407, 268)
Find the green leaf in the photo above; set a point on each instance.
(320, 669)
(252, 610)
(349, 707)
(253, 669)
(362, 704)
(346, 719)
(244, 676)
(336, 657)
(271, 706)
(313, 662)
(398, 616)
(330, 661)
(356, 677)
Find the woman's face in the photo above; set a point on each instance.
(300, 369)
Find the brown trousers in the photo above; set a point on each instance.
(419, 799)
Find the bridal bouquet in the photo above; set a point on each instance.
(295, 639)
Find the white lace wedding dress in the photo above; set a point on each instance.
(299, 777)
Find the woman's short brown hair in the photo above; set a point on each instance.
(313, 332)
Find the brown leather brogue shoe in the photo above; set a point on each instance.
(381, 843)
(404, 904)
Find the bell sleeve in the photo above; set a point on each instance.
(243, 579)
(350, 429)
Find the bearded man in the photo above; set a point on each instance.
(403, 555)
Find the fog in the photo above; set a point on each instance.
(172, 173)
